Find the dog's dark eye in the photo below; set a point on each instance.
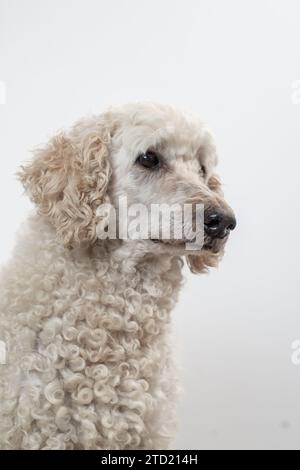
(148, 159)
(203, 171)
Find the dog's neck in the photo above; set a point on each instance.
(125, 257)
(128, 255)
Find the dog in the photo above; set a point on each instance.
(85, 319)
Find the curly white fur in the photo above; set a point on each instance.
(86, 322)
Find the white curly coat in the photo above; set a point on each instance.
(87, 322)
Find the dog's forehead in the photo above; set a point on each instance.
(176, 134)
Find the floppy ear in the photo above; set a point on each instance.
(68, 179)
(201, 262)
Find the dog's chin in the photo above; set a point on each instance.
(215, 246)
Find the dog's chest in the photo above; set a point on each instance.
(97, 345)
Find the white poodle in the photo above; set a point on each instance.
(85, 319)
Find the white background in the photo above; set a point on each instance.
(234, 62)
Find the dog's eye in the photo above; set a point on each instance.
(203, 171)
(148, 159)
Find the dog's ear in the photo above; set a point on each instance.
(202, 262)
(68, 179)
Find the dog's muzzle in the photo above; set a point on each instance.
(219, 223)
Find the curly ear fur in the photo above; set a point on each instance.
(200, 263)
(68, 180)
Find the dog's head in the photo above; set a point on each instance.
(150, 155)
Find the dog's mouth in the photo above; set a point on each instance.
(212, 245)
(178, 243)
(215, 245)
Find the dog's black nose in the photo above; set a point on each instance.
(218, 223)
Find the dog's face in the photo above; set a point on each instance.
(146, 155)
